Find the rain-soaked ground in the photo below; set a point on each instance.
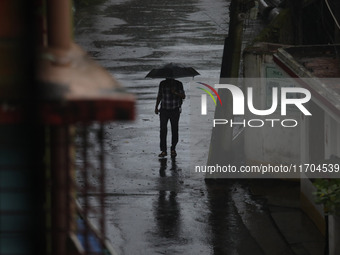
(160, 206)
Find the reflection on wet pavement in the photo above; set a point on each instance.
(167, 214)
(163, 166)
(228, 233)
(132, 37)
(166, 210)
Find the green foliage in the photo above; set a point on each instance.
(279, 30)
(328, 194)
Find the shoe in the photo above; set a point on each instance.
(163, 154)
(173, 153)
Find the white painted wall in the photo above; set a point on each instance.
(278, 145)
(332, 137)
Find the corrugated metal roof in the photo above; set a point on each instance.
(317, 68)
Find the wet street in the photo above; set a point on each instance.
(159, 206)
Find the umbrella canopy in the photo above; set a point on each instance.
(172, 71)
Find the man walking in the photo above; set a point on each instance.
(170, 95)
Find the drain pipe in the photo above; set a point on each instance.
(59, 23)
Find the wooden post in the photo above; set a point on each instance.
(233, 43)
(221, 138)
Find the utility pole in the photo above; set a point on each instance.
(221, 138)
(233, 42)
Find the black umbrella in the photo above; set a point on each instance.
(172, 71)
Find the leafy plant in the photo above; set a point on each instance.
(328, 194)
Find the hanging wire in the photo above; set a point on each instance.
(324, 23)
(219, 25)
(330, 10)
(336, 22)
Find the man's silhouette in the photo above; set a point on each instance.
(170, 96)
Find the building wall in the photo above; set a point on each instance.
(17, 226)
(320, 134)
(320, 139)
(274, 145)
(332, 137)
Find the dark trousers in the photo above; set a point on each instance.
(165, 116)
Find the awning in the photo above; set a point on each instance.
(73, 88)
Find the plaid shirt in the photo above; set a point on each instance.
(169, 101)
